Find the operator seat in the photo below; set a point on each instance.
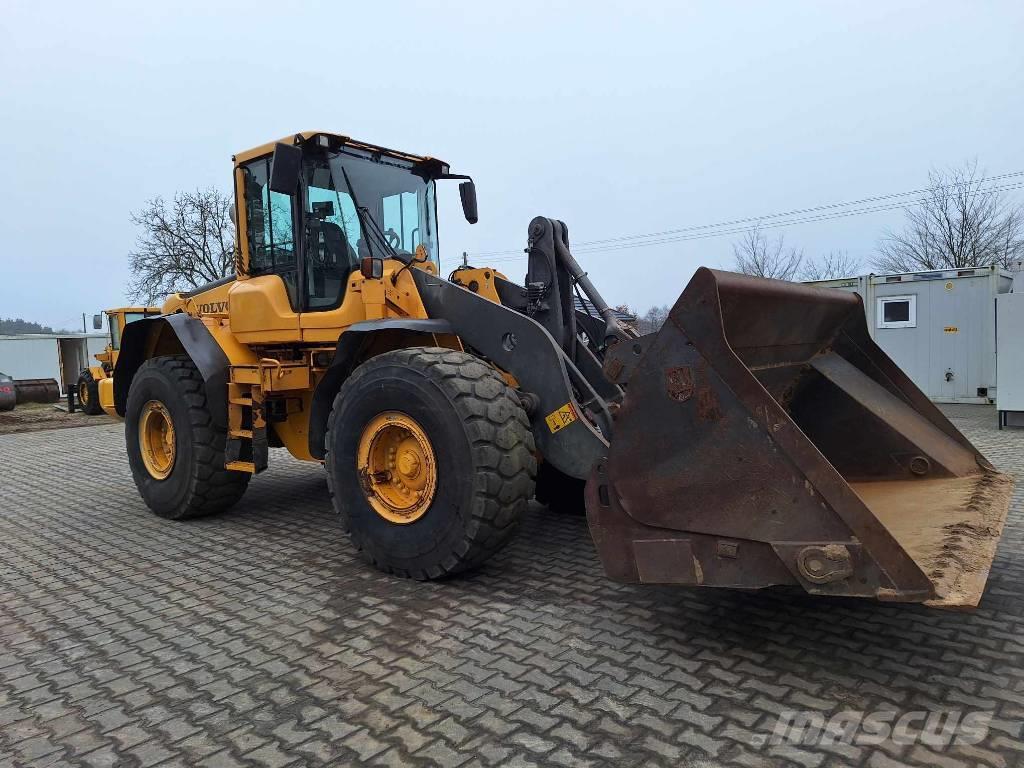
(333, 260)
(338, 253)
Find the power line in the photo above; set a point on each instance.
(824, 212)
(804, 220)
(753, 219)
(740, 230)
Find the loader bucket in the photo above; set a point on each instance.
(765, 439)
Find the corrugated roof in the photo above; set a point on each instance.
(41, 336)
(591, 309)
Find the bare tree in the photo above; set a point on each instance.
(627, 312)
(755, 254)
(184, 244)
(832, 265)
(625, 309)
(961, 222)
(652, 319)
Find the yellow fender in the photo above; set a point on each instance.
(106, 391)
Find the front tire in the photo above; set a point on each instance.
(175, 450)
(89, 394)
(421, 411)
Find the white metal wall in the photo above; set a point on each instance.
(38, 356)
(950, 351)
(97, 343)
(27, 357)
(1010, 358)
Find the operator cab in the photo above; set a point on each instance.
(317, 205)
(117, 319)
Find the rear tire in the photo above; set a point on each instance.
(89, 394)
(481, 443)
(196, 482)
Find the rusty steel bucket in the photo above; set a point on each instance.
(765, 439)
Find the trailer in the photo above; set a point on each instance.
(939, 326)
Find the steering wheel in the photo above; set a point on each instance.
(393, 238)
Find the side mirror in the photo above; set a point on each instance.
(97, 322)
(284, 168)
(467, 192)
(372, 268)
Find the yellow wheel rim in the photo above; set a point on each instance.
(397, 468)
(83, 393)
(156, 439)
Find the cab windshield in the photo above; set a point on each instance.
(399, 204)
(350, 205)
(115, 327)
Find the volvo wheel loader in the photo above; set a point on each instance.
(89, 379)
(760, 438)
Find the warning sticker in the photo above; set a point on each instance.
(561, 418)
(951, 329)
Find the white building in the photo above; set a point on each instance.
(938, 326)
(60, 356)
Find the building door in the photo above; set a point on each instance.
(74, 356)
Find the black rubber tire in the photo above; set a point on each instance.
(198, 484)
(482, 443)
(91, 405)
(559, 492)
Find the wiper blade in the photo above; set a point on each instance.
(370, 226)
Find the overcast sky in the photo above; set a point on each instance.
(618, 118)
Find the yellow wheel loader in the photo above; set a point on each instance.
(760, 438)
(89, 379)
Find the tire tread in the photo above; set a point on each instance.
(214, 488)
(92, 408)
(503, 448)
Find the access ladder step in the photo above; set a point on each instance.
(246, 449)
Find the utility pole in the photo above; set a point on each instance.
(83, 323)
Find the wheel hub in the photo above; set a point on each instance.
(156, 439)
(397, 467)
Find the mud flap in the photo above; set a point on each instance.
(765, 439)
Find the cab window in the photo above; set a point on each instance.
(402, 221)
(270, 218)
(115, 326)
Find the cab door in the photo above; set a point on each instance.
(265, 307)
(333, 244)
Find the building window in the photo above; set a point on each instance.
(897, 312)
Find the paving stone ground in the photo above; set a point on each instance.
(258, 638)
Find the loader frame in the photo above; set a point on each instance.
(759, 438)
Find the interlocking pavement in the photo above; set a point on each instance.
(258, 638)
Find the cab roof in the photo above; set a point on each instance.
(348, 141)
